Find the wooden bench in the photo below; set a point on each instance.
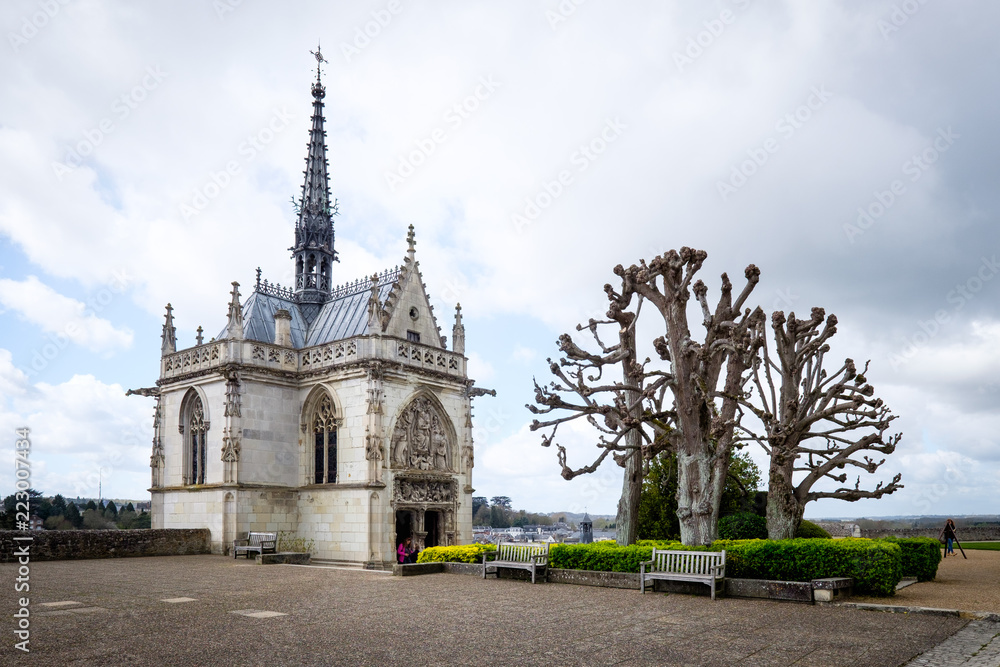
(533, 557)
(705, 566)
(260, 543)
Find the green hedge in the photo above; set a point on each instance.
(875, 565)
(810, 531)
(467, 553)
(920, 556)
(601, 557)
(743, 526)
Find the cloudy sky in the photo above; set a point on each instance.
(148, 154)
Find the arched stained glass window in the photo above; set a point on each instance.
(196, 442)
(324, 426)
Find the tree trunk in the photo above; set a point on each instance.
(627, 521)
(700, 482)
(784, 513)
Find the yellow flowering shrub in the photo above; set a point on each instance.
(466, 553)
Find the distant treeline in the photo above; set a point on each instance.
(57, 513)
(497, 512)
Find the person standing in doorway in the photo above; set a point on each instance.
(948, 533)
(406, 553)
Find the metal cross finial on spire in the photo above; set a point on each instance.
(318, 54)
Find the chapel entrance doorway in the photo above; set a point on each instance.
(432, 525)
(404, 526)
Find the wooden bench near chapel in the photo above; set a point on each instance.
(259, 543)
(532, 557)
(708, 567)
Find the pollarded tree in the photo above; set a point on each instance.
(705, 378)
(618, 396)
(815, 424)
(646, 410)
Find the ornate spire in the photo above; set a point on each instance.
(314, 239)
(234, 330)
(169, 334)
(411, 242)
(458, 331)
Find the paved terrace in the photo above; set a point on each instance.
(133, 611)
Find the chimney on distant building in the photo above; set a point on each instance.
(283, 328)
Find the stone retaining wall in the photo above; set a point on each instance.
(84, 544)
(972, 534)
(752, 588)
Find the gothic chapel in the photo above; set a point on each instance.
(335, 414)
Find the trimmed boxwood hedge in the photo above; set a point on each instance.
(920, 556)
(467, 553)
(875, 565)
(599, 556)
(811, 531)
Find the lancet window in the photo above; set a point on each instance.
(324, 428)
(196, 432)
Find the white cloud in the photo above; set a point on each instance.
(478, 368)
(66, 318)
(523, 355)
(518, 466)
(13, 381)
(82, 431)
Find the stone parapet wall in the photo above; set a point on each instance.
(84, 544)
(840, 529)
(971, 534)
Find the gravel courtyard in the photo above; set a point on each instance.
(971, 584)
(211, 610)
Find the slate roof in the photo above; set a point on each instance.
(343, 316)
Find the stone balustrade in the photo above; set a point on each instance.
(218, 354)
